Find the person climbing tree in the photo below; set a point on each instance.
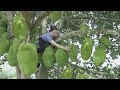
(49, 38)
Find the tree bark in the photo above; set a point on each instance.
(10, 18)
(18, 72)
(91, 31)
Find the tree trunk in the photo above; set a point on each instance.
(37, 73)
(18, 72)
(10, 18)
(43, 72)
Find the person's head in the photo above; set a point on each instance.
(55, 33)
(53, 28)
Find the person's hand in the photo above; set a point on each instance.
(67, 48)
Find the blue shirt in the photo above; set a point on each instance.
(47, 37)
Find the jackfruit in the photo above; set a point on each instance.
(17, 42)
(86, 49)
(55, 15)
(83, 26)
(27, 58)
(2, 30)
(105, 40)
(48, 57)
(68, 73)
(4, 46)
(99, 55)
(12, 56)
(5, 35)
(73, 52)
(3, 24)
(61, 57)
(20, 27)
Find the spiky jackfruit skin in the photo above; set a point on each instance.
(2, 30)
(12, 56)
(5, 35)
(61, 57)
(48, 57)
(73, 52)
(20, 27)
(68, 73)
(17, 42)
(3, 24)
(86, 49)
(105, 40)
(83, 26)
(55, 15)
(27, 58)
(99, 55)
(4, 45)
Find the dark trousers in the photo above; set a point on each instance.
(42, 45)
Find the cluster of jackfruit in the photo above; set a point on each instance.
(3, 23)
(86, 48)
(55, 15)
(99, 55)
(20, 27)
(12, 53)
(4, 41)
(59, 56)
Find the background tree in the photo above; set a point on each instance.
(69, 23)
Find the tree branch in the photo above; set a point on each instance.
(40, 18)
(9, 17)
(96, 19)
(91, 31)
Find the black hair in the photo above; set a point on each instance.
(52, 28)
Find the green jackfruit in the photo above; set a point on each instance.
(17, 42)
(73, 52)
(27, 58)
(68, 73)
(12, 56)
(20, 27)
(4, 18)
(5, 35)
(99, 55)
(83, 26)
(4, 46)
(55, 15)
(2, 30)
(61, 57)
(3, 24)
(86, 49)
(105, 40)
(48, 57)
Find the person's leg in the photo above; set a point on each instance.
(41, 44)
(41, 48)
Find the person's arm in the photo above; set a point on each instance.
(59, 46)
